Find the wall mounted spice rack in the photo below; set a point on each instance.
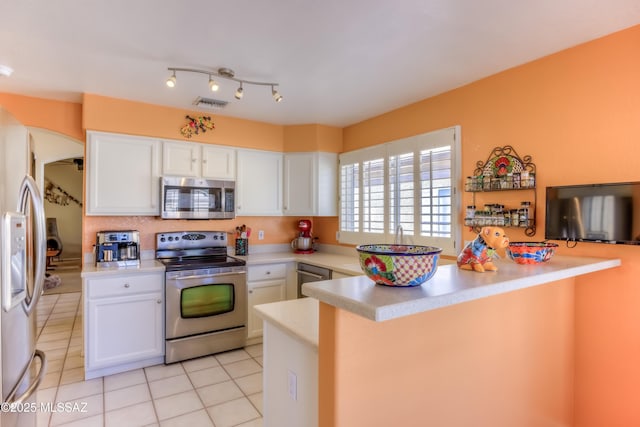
(504, 170)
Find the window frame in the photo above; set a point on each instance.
(415, 144)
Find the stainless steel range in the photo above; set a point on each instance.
(206, 294)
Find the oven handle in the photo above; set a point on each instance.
(204, 276)
(316, 276)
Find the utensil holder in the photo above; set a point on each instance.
(242, 246)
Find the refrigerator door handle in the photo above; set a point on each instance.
(11, 398)
(30, 188)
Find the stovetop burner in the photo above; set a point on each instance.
(190, 250)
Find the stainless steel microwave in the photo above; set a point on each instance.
(194, 198)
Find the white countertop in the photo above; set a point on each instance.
(346, 264)
(450, 285)
(146, 266)
(297, 317)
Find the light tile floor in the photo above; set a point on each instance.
(223, 390)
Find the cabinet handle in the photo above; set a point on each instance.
(204, 161)
(159, 301)
(250, 291)
(267, 273)
(193, 160)
(126, 285)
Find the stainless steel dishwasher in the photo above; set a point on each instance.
(310, 273)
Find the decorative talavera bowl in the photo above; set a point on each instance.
(531, 252)
(399, 265)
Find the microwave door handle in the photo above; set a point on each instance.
(11, 398)
(29, 191)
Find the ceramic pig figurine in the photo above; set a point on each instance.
(479, 253)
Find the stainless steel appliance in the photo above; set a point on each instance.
(192, 198)
(206, 294)
(311, 273)
(117, 248)
(22, 234)
(22, 267)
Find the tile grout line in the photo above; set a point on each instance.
(76, 318)
(237, 385)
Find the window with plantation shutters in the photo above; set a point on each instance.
(350, 197)
(436, 183)
(373, 196)
(407, 184)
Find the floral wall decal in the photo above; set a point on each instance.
(196, 125)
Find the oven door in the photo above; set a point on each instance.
(202, 301)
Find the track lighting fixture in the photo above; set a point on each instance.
(171, 81)
(239, 93)
(213, 85)
(276, 96)
(224, 73)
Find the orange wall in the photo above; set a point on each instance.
(299, 138)
(576, 113)
(136, 118)
(58, 116)
(503, 361)
(276, 229)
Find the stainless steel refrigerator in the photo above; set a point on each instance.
(22, 270)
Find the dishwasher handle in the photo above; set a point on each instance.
(314, 275)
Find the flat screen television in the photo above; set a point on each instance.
(604, 213)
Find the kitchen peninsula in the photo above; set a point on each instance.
(464, 349)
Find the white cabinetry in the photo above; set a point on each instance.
(311, 184)
(259, 183)
(123, 323)
(266, 283)
(122, 175)
(198, 160)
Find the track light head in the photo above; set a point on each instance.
(239, 93)
(171, 81)
(276, 96)
(213, 85)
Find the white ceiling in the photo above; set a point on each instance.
(337, 61)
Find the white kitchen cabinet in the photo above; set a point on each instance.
(311, 184)
(123, 323)
(265, 283)
(123, 175)
(198, 160)
(259, 183)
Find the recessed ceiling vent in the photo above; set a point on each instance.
(209, 103)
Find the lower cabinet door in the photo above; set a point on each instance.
(262, 292)
(125, 329)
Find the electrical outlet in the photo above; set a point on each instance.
(337, 235)
(260, 234)
(292, 380)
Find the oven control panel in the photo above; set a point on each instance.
(190, 239)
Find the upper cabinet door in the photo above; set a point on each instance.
(180, 158)
(218, 162)
(123, 175)
(311, 184)
(198, 160)
(259, 183)
(300, 182)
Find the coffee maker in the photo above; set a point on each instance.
(303, 244)
(118, 249)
